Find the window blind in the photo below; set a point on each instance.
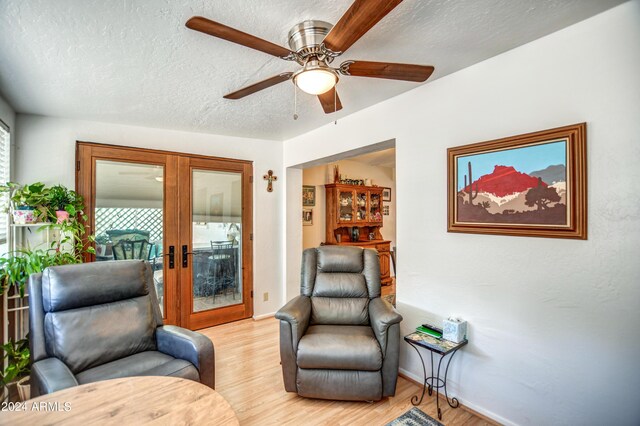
(5, 159)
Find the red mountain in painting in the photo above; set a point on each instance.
(504, 180)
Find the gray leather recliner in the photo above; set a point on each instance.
(99, 321)
(338, 338)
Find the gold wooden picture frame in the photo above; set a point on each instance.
(308, 195)
(307, 217)
(532, 185)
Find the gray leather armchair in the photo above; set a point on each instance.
(99, 321)
(339, 339)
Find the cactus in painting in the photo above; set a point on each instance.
(472, 196)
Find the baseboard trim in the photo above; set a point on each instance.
(484, 414)
(263, 316)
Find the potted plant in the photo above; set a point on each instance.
(71, 233)
(62, 201)
(16, 356)
(27, 201)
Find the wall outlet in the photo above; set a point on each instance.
(265, 297)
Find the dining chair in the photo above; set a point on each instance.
(132, 250)
(222, 268)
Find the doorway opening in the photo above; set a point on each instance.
(351, 200)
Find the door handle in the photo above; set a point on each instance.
(172, 253)
(185, 256)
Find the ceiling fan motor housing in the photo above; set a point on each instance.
(306, 37)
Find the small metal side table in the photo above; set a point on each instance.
(443, 348)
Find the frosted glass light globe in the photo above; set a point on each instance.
(316, 81)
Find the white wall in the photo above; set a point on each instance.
(46, 152)
(553, 323)
(293, 237)
(316, 176)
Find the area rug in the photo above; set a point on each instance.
(415, 417)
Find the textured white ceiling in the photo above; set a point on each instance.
(134, 61)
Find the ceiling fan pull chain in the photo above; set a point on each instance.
(335, 103)
(295, 102)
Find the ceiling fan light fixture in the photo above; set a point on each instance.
(315, 78)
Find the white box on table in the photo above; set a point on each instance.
(454, 330)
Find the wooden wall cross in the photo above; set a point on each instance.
(269, 177)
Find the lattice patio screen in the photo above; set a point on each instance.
(130, 218)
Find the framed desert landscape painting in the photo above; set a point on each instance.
(528, 185)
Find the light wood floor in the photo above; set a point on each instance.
(389, 289)
(249, 377)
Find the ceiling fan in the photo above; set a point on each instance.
(314, 45)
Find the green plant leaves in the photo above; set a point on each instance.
(17, 356)
(69, 208)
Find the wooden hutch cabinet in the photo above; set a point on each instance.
(354, 218)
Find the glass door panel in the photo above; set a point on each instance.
(375, 210)
(345, 208)
(361, 206)
(128, 215)
(216, 230)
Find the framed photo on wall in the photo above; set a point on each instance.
(308, 195)
(307, 217)
(531, 185)
(386, 194)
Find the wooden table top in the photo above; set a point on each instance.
(127, 401)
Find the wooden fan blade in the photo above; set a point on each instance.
(259, 86)
(360, 18)
(329, 102)
(204, 25)
(408, 72)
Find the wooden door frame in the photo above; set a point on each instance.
(209, 318)
(86, 155)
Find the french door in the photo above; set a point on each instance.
(189, 216)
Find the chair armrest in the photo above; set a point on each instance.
(50, 375)
(191, 346)
(297, 313)
(382, 316)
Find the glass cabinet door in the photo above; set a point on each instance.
(345, 207)
(361, 206)
(375, 207)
